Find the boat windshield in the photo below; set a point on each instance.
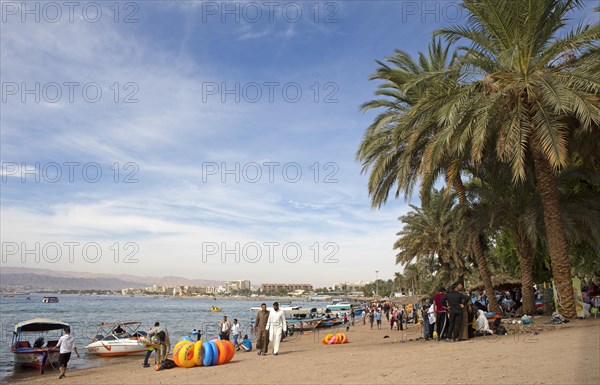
(108, 332)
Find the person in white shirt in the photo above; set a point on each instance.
(276, 326)
(225, 329)
(235, 329)
(67, 344)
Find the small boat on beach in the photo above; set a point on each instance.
(44, 333)
(117, 339)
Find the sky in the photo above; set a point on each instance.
(211, 140)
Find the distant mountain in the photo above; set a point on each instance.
(33, 278)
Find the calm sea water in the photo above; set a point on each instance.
(85, 313)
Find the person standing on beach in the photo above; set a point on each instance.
(225, 329)
(66, 343)
(262, 337)
(371, 318)
(378, 318)
(276, 326)
(235, 329)
(455, 301)
(161, 350)
(364, 317)
(439, 310)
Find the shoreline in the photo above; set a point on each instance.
(568, 353)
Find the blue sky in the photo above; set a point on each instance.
(172, 131)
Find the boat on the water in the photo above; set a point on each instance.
(34, 342)
(118, 339)
(50, 299)
(215, 308)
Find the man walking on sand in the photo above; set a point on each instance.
(260, 329)
(67, 345)
(276, 326)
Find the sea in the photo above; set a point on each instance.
(86, 312)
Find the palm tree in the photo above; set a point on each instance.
(502, 207)
(396, 146)
(523, 90)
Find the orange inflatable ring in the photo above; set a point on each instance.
(222, 350)
(230, 352)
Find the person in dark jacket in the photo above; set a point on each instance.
(262, 336)
(455, 301)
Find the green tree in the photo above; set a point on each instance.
(524, 89)
(396, 147)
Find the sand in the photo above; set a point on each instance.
(563, 355)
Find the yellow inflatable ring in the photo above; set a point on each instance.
(180, 343)
(198, 353)
(186, 356)
(176, 350)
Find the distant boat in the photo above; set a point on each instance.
(50, 299)
(38, 355)
(215, 308)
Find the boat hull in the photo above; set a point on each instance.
(116, 348)
(35, 358)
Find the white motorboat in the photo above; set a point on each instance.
(117, 339)
(43, 351)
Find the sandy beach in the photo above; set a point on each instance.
(564, 354)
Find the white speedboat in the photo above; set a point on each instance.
(42, 351)
(117, 339)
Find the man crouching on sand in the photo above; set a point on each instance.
(276, 326)
(67, 345)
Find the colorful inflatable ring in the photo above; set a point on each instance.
(331, 340)
(176, 350)
(223, 350)
(209, 353)
(198, 353)
(231, 351)
(180, 343)
(186, 356)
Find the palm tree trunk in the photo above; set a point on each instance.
(476, 245)
(525, 258)
(555, 233)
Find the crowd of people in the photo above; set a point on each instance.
(449, 315)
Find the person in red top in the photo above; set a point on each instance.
(441, 316)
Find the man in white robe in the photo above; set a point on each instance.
(276, 326)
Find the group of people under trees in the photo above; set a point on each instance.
(446, 316)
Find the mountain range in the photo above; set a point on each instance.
(39, 279)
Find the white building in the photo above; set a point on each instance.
(242, 284)
(349, 286)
